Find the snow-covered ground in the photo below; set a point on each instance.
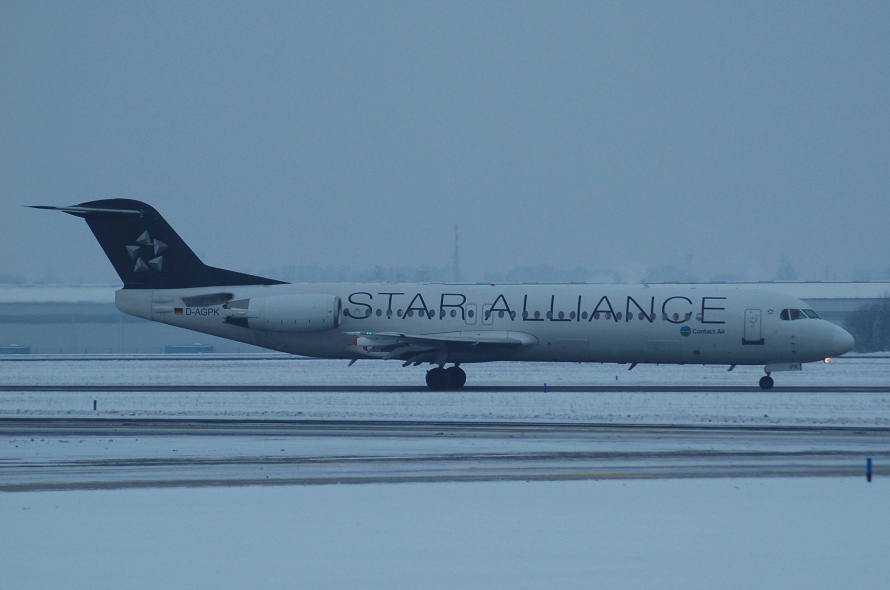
(614, 533)
(749, 533)
(750, 406)
(273, 369)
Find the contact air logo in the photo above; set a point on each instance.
(685, 331)
(145, 247)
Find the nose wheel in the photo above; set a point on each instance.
(440, 378)
(766, 382)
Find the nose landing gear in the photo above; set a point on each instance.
(440, 378)
(766, 382)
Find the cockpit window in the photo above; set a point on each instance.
(798, 314)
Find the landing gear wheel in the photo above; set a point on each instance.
(766, 382)
(440, 378)
(437, 379)
(456, 377)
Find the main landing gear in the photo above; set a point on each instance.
(766, 382)
(440, 378)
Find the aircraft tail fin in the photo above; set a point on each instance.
(146, 252)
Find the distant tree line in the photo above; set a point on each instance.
(870, 326)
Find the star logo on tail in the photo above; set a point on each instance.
(144, 248)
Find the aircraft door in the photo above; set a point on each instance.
(471, 313)
(753, 328)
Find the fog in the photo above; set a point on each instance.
(569, 141)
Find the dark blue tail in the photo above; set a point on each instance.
(146, 252)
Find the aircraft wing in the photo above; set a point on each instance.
(434, 347)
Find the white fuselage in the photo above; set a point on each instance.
(563, 322)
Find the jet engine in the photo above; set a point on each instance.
(286, 313)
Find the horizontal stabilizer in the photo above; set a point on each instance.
(85, 211)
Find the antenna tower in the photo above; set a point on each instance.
(456, 268)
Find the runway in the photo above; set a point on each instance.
(65, 454)
(323, 388)
(388, 428)
(230, 421)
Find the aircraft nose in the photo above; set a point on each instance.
(841, 342)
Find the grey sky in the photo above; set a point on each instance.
(603, 135)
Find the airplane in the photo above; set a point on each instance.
(441, 324)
